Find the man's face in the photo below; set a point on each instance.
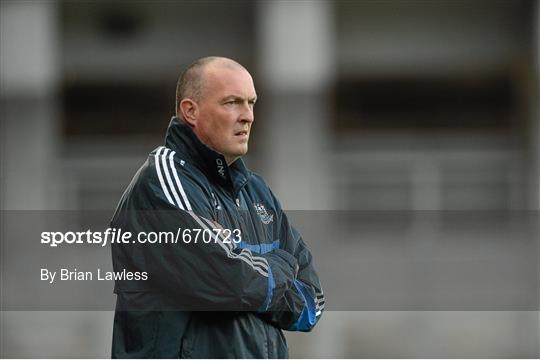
(225, 111)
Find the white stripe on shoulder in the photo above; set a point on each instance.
(169, 179)
(160, 177)
(178, 183)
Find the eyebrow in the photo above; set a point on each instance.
(229, 97)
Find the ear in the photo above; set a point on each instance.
(189, 110)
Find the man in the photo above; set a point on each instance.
(232, 294)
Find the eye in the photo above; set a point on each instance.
(232, 102)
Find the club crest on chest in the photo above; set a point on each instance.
(266, 218)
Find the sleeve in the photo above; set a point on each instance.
(195, 275)
(302, 305)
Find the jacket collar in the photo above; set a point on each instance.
(181, 138)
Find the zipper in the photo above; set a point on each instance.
(242, 226)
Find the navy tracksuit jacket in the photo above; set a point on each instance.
(228, 296)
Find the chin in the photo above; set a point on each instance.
(241, 151)
(238, 155)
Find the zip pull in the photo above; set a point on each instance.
(238, 202)
(216, 204)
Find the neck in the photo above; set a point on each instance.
(230, 159)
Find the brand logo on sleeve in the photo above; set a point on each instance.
(266, 218)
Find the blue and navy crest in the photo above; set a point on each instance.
(266, 218)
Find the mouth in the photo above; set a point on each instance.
(241, 133)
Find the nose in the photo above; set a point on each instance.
(247, 115)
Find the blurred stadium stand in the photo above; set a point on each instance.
(364, 105)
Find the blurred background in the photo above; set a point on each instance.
(363, 105)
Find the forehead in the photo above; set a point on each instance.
(220, 80)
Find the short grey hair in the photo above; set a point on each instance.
(191, 81)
